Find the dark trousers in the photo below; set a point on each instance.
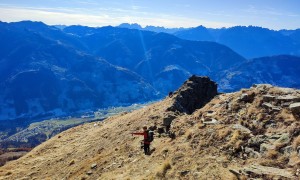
(147, 149)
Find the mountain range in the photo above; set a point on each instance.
(50, 71)
(248, 41)
(44, 72)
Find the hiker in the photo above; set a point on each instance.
(148, 138)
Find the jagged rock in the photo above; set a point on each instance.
(183, 173)
(241, 128)
(168, 119)
(287, 150)
(276, 109)
(244, 97)
(247, 97)
(288, 98)
(262, 87)
(265, 147)
(268, 98)
(210, 121)
(256, 141)
(295, 108)
(265, 170)
(283, 139)
(160, 130)
(210, 114)
(89, 172)
(193, 94)
(267, 105)
(93, 166)
(251, 153)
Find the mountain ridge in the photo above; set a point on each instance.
(246, 134)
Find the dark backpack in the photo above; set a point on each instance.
(150, 136)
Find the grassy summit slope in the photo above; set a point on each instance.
(250, 133)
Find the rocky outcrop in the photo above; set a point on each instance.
(193, 94)
(295, 108)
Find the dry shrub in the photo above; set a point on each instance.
(164, 169)
(238, 144)
(296, 142)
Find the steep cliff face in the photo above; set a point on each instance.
(246, 134)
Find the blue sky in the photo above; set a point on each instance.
(274, 14)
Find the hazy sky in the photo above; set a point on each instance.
(274, 14)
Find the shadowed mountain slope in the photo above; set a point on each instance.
(42, 76)
(281, 70)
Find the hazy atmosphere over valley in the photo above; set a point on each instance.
(89, 73)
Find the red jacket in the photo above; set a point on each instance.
(145, 134)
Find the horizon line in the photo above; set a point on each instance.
(144, 26)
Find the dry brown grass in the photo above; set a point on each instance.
(163, 169)
(272, 154)
(286, 116)
(196, 148)
(189, 134)
(235, 136)
(296, 142)
(223, 133)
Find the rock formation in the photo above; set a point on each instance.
(193, 94)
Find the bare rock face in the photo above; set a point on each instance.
(193, 94)
(295, 108)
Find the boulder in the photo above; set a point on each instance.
(167, 120)
(267, 105)
(210, 121)
(93, 166)
(244, 97)
(247, 97)
(283, 139)
(193, 94)
(295, 108)
(89, 172)
(241, 128)
(256, 141)
(266, 147)
(288, 98)
(261, 171)
(287, 150)
(268, 98)
(251, 153)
